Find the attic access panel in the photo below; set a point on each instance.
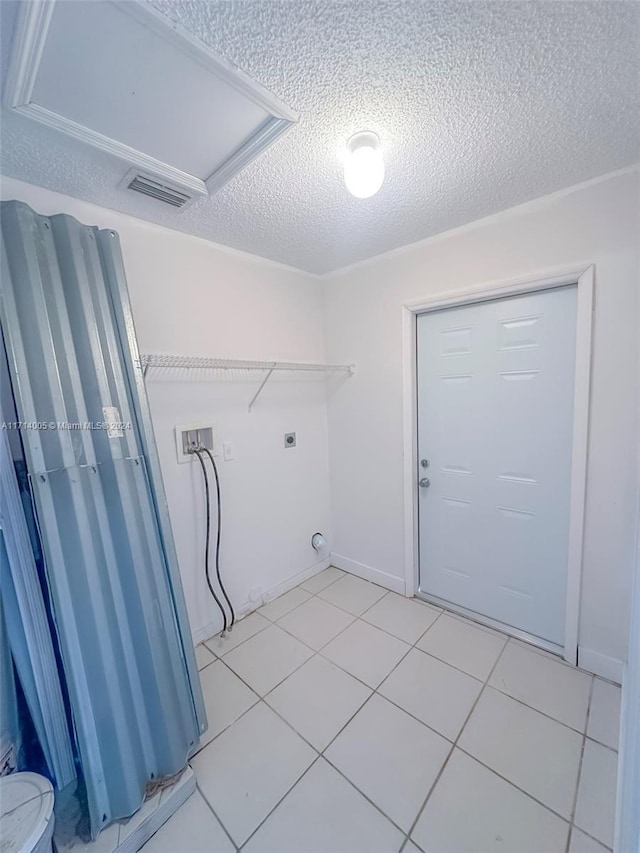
(122, 78)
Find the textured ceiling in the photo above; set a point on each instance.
(479, 106)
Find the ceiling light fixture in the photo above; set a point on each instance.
(364, 166)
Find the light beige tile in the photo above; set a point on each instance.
(353, 594)
(604, 713)
(581, 843)
(596, 805)
(402, 617)
(226, 698)
(471, 810)
(241, 631)
(268, 658)
(433, 691)
(391, 757)
(249, 768)
(479, 625)
(325, 814)
(550, 686)
(536, 753)
(277, 608)
(536, 650)
(463, 645)
(192, 829)
(204, 656)
(318, 700)
(366, 652)
(322, 580)
(316, 622)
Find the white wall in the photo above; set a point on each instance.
(627, 826)
(192, 297)
(596, 223)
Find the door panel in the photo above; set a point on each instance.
(495, 422)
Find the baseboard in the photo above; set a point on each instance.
(599, 664)
(296, 580)
(169, 801)
(368, 573)
(207, 631)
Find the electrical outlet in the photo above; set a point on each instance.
(289, 439)
(193, 435)
(227, 451)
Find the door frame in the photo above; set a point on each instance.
(582, 276)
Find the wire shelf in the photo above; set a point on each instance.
(187, 362)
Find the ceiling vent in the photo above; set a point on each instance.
(230, 117)
(159, 190)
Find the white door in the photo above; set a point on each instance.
(495, 421)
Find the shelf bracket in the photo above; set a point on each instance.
(262, 384)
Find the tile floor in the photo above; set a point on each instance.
(346, 719)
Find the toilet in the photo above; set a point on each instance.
(26, 813)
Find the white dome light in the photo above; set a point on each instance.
(364, 166)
